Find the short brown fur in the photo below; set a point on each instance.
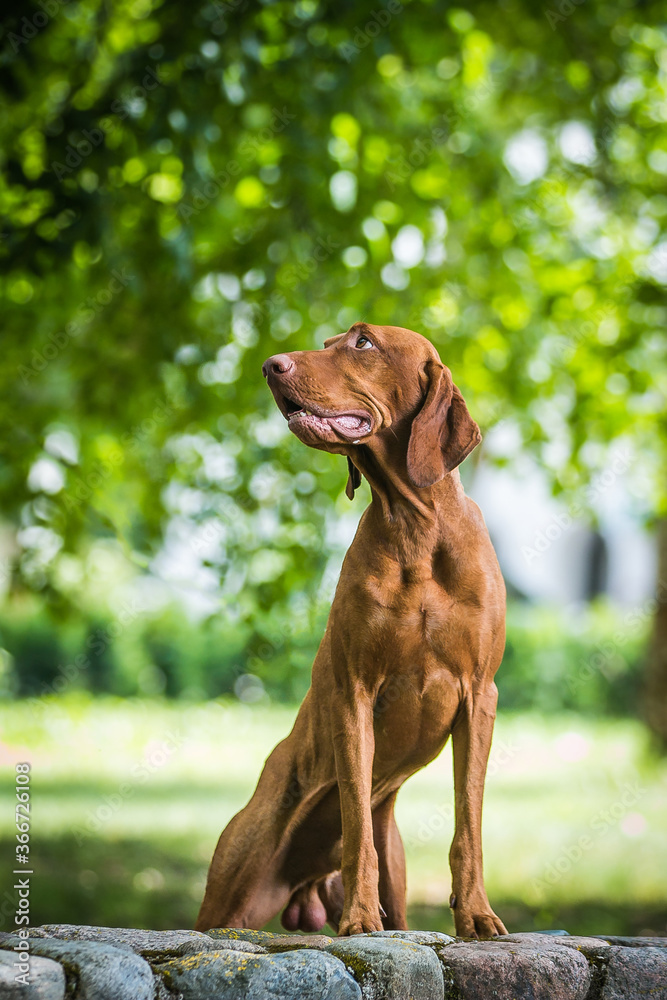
(415, 635)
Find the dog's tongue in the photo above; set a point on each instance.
(349, 421)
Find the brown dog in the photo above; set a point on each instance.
(414, 638)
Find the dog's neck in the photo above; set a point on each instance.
(412, 522)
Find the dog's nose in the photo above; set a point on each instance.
(279, 364)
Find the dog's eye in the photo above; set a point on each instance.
(363, 343)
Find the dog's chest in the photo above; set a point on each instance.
(412, 718)
(419, 646)
(412, 640)
(409, 614)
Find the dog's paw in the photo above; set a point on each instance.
(360, 920)
(476, 920)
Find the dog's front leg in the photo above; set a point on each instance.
(354, 747)
(471, 737)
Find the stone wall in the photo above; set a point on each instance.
(106, 963)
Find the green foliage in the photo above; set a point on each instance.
(188, 188)
(591, 664)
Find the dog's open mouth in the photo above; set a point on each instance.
(352, 425)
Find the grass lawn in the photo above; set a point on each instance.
(128, 798)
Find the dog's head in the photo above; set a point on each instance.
(367, 384)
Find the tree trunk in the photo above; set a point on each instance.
(655, 690)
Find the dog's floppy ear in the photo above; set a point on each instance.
(443, 432)
(353, 479)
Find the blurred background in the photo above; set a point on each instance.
(189, 188)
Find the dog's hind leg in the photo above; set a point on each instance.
(391, 865)
(245, 887)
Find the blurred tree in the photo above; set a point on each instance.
(187, 188)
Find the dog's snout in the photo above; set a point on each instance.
(279, 364)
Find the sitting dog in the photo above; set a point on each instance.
(414, 637)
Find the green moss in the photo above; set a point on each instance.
(359, 967)
(598, 964)
(242, 934)
(189, 963)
